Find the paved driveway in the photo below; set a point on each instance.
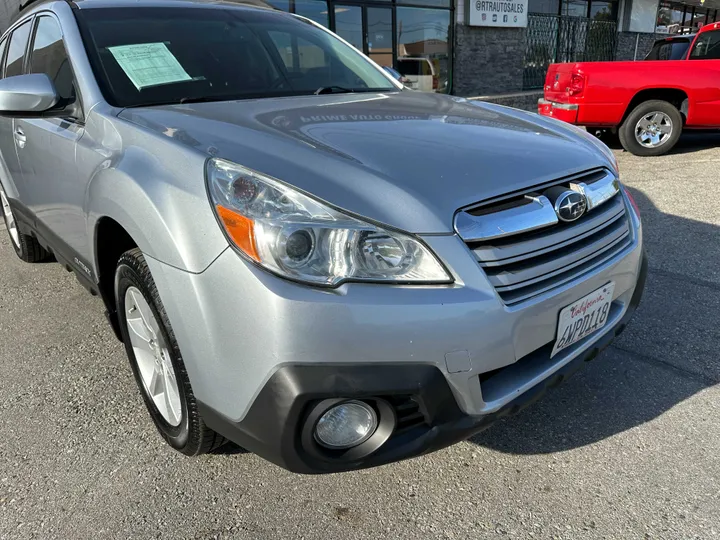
(627, 449)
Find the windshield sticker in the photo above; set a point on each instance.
(149, 64)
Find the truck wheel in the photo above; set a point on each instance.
(651, 129)
(26, 247)
(156, 360)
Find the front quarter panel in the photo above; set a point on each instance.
(154, 188)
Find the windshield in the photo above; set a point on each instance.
(669, 50)
(152, 56)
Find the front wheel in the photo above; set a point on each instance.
(156, 360)
(651, 129)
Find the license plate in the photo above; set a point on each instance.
(587, 315)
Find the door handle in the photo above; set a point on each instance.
(20, 137)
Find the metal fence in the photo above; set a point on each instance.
(555, 38)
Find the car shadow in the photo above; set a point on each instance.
(650, 368)
(229, 449)
(692, 141)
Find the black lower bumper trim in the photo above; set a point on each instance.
(272, 427)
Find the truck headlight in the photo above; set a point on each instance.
(301, 238)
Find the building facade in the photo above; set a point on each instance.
(489, 47)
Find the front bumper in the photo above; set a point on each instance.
(272, 426)
(258, 349)
(567, 112)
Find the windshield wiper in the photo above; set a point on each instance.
(204, 99)
(333, 90)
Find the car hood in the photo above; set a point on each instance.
(406, 159)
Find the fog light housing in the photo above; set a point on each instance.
(346, 425)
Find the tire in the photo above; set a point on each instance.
(176, 414)
(667, 130)
(26, 247)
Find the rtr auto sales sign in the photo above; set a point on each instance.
(510, 13)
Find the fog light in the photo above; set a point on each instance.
(346, 425)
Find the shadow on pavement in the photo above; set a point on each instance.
(690, 141)
(667, 354)
(229, 449)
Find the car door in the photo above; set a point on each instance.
(13, 55)
(705, 103)
(46, 150)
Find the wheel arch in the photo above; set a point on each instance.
(110, 241)
(127, 211)
(675, 96)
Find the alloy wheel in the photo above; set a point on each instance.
(653, 129)
(152, 356)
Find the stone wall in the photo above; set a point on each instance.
(527, 101)
(628, 40)
(488, 60)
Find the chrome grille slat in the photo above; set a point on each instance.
(503, 285)
(494, 255)
(531, 261)
(515, 297)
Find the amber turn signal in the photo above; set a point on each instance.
(241, 230)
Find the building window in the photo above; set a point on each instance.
(315, 10)
(678, 18)
(413, 40)
(574, 8)
(546, 7)
(600, 10)
(603, 11)
(423, 53)
(348, 25)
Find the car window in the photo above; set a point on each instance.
(298, 55)
(16, 51)
(707, 46)
(669, 50)
(49, 56)
(2, 53)
(149, 56)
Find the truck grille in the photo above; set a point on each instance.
(529, 262)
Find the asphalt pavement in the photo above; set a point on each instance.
(628, 448)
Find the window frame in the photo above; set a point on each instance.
(4, 40)
(29, 20)
(75, 107)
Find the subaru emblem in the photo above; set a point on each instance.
(570, 205)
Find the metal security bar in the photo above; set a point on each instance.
(555, 38)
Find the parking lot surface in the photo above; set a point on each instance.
(629, 448)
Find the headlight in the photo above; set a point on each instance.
(303, 239)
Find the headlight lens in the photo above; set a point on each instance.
(300, 238)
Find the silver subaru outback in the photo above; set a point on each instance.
(299, 254)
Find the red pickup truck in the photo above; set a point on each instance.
(649, 103)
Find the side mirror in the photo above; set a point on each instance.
(27, 95)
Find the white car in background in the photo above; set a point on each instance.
(420, 72)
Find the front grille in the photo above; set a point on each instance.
(529, 263)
